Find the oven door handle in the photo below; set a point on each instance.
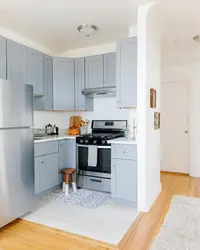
(87, 146)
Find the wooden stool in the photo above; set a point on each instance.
(66, 172)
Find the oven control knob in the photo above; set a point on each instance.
(103, 142)
(94, 142)
(86, 141)
(81, 141)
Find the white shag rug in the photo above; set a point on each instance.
(181, 227)
(85, 198)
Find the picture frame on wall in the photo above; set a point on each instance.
(156, 120)
(152, 98)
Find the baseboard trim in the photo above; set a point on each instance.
(174, 173)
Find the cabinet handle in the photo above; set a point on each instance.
(42, 162)
(113, 165)
(118, 101)
(94, 180)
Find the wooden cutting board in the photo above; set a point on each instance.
(75, 121)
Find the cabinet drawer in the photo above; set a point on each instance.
(127, 152)
(45, 148)
(94, 183)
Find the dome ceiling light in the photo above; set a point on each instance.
(197, 38)
(87, 29)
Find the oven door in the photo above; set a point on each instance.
(103, 160)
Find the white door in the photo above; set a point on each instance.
(174, 127)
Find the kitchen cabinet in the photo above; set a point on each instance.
(62, 158)
(81, 101)
(110, 70)
(2, 57)
(35, 61)
(94, 71)
(46, 102)
(124, 179)
(101, 71)
(16, 63)
(124, 172)
(46, 172)
(71, 153)
(63, 84)
(126, 61)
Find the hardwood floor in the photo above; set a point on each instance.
(22, 235)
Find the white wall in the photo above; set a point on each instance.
(148, 139)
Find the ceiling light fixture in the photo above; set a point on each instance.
(87, 29)
(197, 38)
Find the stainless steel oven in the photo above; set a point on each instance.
(103, 167)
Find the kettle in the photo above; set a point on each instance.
(49, 129)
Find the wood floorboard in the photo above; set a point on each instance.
(23, 235)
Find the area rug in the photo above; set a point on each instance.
(85, 198)
(181, 227)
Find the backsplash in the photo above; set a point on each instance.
(104, 109)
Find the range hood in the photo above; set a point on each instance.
(100, 92)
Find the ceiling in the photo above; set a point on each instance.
(53, 23)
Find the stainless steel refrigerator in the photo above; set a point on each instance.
(16, 151)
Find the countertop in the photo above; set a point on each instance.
(123, 140)
(55, 138)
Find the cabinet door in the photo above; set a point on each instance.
(2, 57)
(41, 175)
(94, 71)
(110, 70)
(48, 82)
(35, 71)
(124, 179)
(126, 59)
(16, 63)
(46, 172)
(51, 164)
(81, 101)
(62, 158)
(63, 84)
(71, 153)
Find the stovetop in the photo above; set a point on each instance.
(102, 131)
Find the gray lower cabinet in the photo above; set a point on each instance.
(126, 61)
(16, 63)
(62, 157)
(124, 173)
(71, 153)
(63, 84)
(110, 70)
(46, 172)
(35, 61)
(94, 71)
(67, 155)
(2, 57)
(81, 101)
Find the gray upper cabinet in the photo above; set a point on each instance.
(35, 71)
(126, 61)
(94, 71)
(16, 63)
(2, 57)
(124, 179)
(110, 70)
(48, 82)
(81, 101)
(63, 84)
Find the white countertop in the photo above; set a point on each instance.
(56, 138)
(123, 140)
